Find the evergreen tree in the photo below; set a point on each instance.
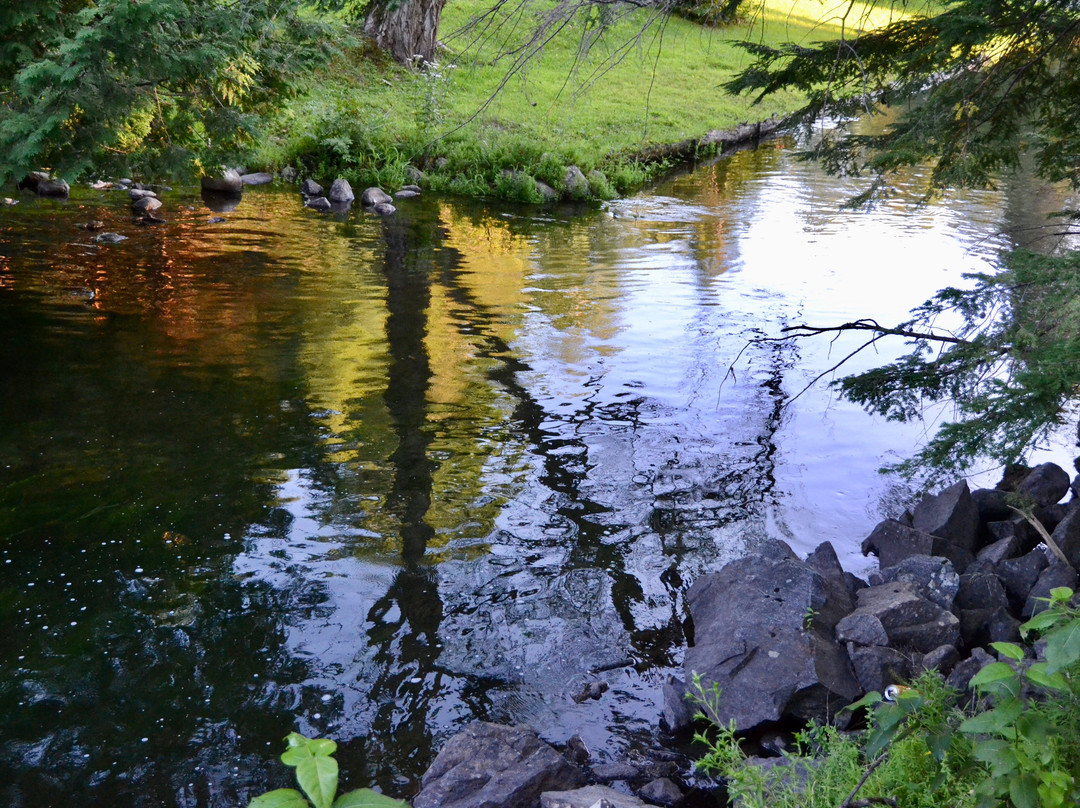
(973, 88)
(95, 82)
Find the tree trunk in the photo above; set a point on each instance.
(407, 30)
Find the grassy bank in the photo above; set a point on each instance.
(477, 127)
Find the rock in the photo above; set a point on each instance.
(1001, 550)
(576, 750)
(610, 772)
(991, 505)
(1051, 516)
(311, 188)
(32, 180)
(215, 220)
(892, 541)
(109, 238)
(57, 189)
(548, 193)
(384, 209)
(980, 627)
(911, 621)
(1018, 576)
(1012, 476)
(493, 766)
(588, 797)
(661, 791)
(961, 675)
(763, 631)
(1016, 527)
(877, 667)
(405, 193)
(941, 659)
(980, 588)
(861, 629)
(1046, 484)
(677, 713)
(838, 594)
(341, 192)
(319, 203)
(146, 204)
(574, 183)
(933, 576)
(135, 194)
(950, 514)
(229, 183)
(374, 196)
(125, 181)
(591, 690)
(257, 178)
(416, 188)
(1055, 575)
(289, 174)
(1067, 536)
(414, 175)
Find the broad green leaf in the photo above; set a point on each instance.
(994, 672)
(1023, 791)
(1042, 621)
(318, 777)
(994, 721)
(1038, 675)
(322, 746)
(1034, 727)
(366, 798)
(1063, 646)
(869, 700)
(281, 798)
(999, 754)
(939, 744)
(1061, 594)
(295, 755)
(1009, 650)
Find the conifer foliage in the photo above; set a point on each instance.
(88, 82)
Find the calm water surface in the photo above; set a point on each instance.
(371, 479)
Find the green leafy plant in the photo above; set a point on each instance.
(317, 775)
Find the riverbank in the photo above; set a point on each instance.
(618, 99)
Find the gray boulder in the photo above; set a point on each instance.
(146, 204)
(1018, 576)
(911, 621)
(135, 194)
(991, 504)
(257, 178)
(877, 667)
(384, 209)
(933, 576)
(892, 541)
(414, 175)
(942, 659)
(1001, 550)
(319, 203)
(311, 188)
(548, 193)
(575, 184)
(406, 193)
(1067, 536)
(950, 514)
(980, 588)
(341, 192)
(861, 628)
(588, 797)
(494, 766)
(375, 196)
(962, 674)
(1046, 484)
(228, 183)
(661, 791)
(1055, 575)
(763, 631)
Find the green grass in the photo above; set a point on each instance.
(471, 118)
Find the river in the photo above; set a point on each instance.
(372, 478)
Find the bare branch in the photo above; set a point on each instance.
(794, 331)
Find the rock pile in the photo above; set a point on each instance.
(785, 638)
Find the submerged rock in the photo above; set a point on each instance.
(375, 196)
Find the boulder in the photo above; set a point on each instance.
(950, 514)
(341, 192)
(610, 772)
(892, 541)
(494, 766)
(374, 196)
(941, 659)
(840, 593)
(257, 178)
(384, 209)
(1018, 576)
(406, 193)
(862, 629)
(1056, 574)
(1001, 550)
(962, 673)
(1067, 536)
(574, 183)
(32, 180)
(980, 627)
(991, 505)
(146, 204)
(677, 713)
(414, 175)
(1016, 527)
(589, 797)
(933, 576)
(661, 791)
(135, 194)
(229, 183)
(311, 188)
(1046, 484)
(763, 631)
(319, 203)
(877, 667)
(109, 238)
(980, 588)
(911, 621)
(548, 193)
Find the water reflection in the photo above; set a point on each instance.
(372, 478)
